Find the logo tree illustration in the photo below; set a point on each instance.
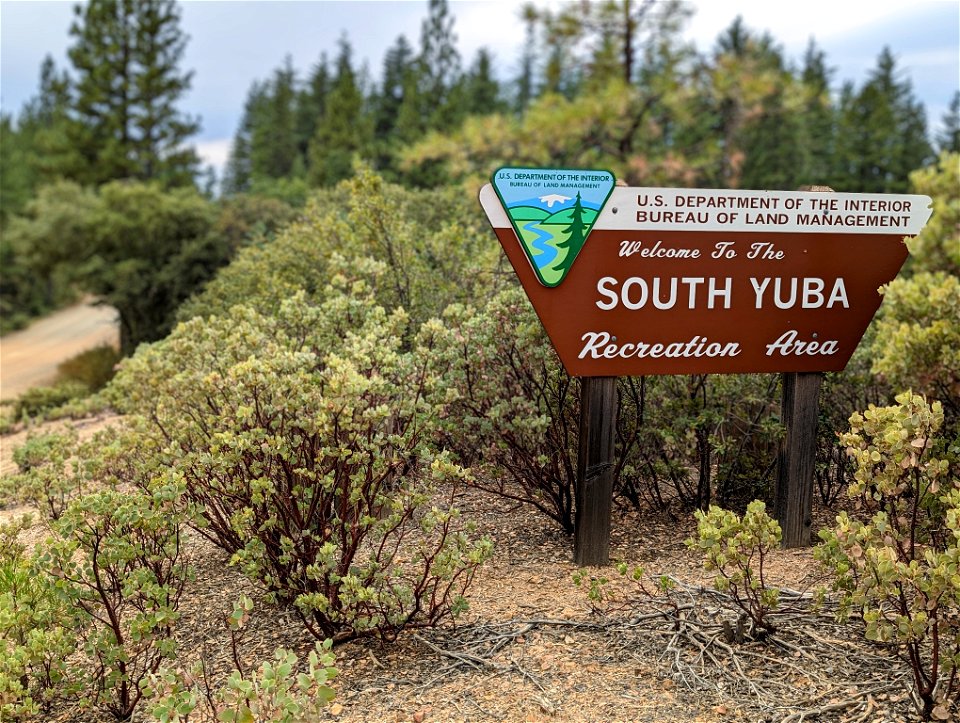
(576, 235)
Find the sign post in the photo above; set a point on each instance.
(793, 495)
(796, 459)
(595, 464)
(636, 281)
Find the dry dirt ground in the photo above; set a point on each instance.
(532, 647)
(29, 357)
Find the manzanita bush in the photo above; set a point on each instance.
(42, 479)
(435, 243)
(900, 569)
(737, 548)
(515, 416)
(277, 691)
(515, 412)
(306, 438)
(36, 632)
(917, 341)
(116, 558)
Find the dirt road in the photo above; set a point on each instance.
(29, 357)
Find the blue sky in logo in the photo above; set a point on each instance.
(555, 202)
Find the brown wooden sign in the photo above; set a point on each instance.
(690, 281)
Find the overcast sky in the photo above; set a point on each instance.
(234, 42)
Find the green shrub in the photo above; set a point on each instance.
(92, 368)
(937, 246)
(292, 192)
(515, 416)
(66, 399)
(78, 408)
(141, 249)
(917, 343)
(7, 419)
(249, 218)
(36, 633)
(688, 439)
(736, 548)
(37, 401)
(306, 438)
(430, 252)
(111, 576)
(40, 249)
(841, 394)
(899, 569)
(116, 557)
(605, 597)
(43, 479)
(515, 411)
(55, 467)
(274, 692)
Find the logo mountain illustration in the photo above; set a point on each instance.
(552, 211)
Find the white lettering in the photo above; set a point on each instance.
(812, 293)
(602, 345)
(604, 291)
(808, 290)
(625, 292)
(758, 289)
(713, 292)
(656, 294)
(664, 293)
(693, 282)
(787, 344)
(839, 294)
(764, 250)
(778, 297)
(594, 339)
(629, 248)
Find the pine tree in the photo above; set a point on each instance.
(481, 90)
(670, 116)
(47, 120)
(746, 77)
(238, 174)
(273, 141)
(525, 84)
(576, 235)
(431, 97)
(36, 148)
(398, 67)
(440, 63)
(776, 153)
(948, 139)
(159, 130)
(606, 39)
(882, 135)
(17, 181)
(126, 55)
(345, 129)
(561, 72)
(310, 104)
(391, 120)
(818, 117)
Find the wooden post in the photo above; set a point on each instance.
(595, 465)
(795, 464)
(800, 411)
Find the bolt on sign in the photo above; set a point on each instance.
(634, 281)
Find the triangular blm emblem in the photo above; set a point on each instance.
(552, 211)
